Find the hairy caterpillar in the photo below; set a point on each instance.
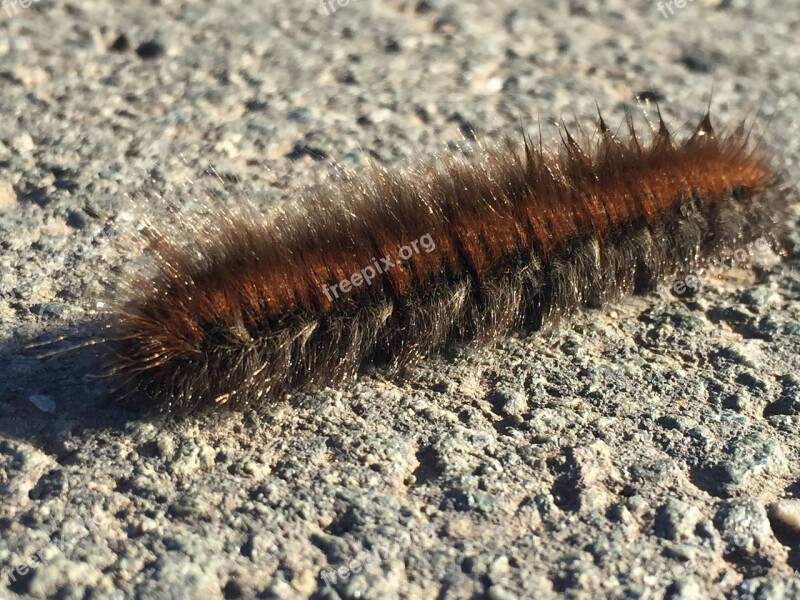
(390, 267)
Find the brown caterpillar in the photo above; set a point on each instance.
(506, 241)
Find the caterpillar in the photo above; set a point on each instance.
(391, 266)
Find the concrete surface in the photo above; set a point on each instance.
(649, 450)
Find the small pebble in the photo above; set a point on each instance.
(787, 512)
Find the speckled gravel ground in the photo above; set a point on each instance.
(649, 450)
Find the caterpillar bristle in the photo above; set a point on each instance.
(392, 267)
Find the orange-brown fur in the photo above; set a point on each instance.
(520, 238)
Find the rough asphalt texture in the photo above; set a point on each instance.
(648, 450)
